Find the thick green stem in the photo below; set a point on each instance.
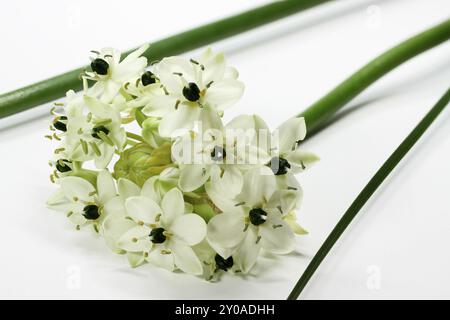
(54, 88)
(322, 110)
(368, 191)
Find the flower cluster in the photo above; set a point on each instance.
(186, 192)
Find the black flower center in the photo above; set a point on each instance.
(100, 66)
(148, 78)
(157, 235)
(257, 216)
(191, 92)
(91, 212)
(223, 264)
(279, 165)
(218, 153)
(62, 165)
(99, 129)
(60, 125)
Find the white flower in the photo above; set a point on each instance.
(163, 235)
(219, 152)
(213, 263)
(286, 155)
(188, 87)
(81, 201)
(110, 73)
(94, 134)
(254, 220)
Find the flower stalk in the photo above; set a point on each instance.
(368, 191)
(44, 91)
(316, 115)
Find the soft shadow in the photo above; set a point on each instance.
(417, 81)
(331, 12)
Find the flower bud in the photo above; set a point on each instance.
(150, 132)
(141, 162)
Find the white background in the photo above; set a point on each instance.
(396, 248)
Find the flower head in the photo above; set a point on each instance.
(163, 234)
(187, 86)
(110, 73)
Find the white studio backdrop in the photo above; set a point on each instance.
(396, 248)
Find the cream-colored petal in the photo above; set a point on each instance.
(186, 259)
(75, 189)
(189, 229)
(193, 176)
(224, 94)
(106, 186)
(172, 205)
(142, 209)
(226, 230)
(290, 133)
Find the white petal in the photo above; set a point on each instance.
(136, 53)
(161, 260)
(172, 205)
(59, 202)
(142, 209)
(248, 251)
(135, 259)
(285, 200)
(302, 160)
(215, 190)
(232, 180)
(98, 108)
(127, 189)
(167, 70)
(223, 188)
(276, 236)
(136, 239)
(231, 73)
(214, 64)
(189, 228)
(226, 230)
(105, 186)
(159, 105)
(111, 88)
(149, 190)
(77, 219)
(113, 227)
(210, 119)
(186, 259)
(224, 94)
(290, 132)
(179, 121)
(259, 185)
(77, 188)
(219, 199)
(261, 132)
(193, 176)
(115, 207)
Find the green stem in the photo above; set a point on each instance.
(322, 110)
(368, 191)
(54, 88)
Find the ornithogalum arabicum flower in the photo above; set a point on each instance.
(187, 191)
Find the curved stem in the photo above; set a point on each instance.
(54, 88)
(368, 191)
(317, 114)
